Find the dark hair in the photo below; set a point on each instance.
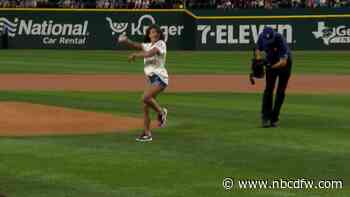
(148, 31)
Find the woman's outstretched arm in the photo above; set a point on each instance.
(131, 44)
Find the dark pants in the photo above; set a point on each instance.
(270, 112)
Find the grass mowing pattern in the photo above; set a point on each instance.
(178, 62)
(210, 136)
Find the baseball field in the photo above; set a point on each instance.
(69, 118)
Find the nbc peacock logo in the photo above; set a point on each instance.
(6, 26)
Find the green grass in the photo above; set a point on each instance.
(206, 141)
(178, 62)
(210, 136)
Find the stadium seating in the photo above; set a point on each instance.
(168, 4)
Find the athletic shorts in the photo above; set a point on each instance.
(156, 80)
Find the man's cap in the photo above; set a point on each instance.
(268, 35)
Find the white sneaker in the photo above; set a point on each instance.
(144, 138)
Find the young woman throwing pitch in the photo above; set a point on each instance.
(153, 51)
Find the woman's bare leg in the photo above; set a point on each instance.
(150, 95)
(146, 119)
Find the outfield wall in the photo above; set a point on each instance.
(185, 30)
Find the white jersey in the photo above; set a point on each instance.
(156, 63)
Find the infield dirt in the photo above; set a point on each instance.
(26, 119)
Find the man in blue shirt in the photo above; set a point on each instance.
(279, 58)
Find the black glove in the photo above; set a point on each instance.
(258, 70)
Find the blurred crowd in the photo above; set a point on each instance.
(124, 4)
(232, 4)
(169, 4)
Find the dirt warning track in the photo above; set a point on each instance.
(178, 83)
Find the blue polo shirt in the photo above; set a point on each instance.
(275, 48)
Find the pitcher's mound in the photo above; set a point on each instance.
(25, 119)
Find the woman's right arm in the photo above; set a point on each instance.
(131, 44)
